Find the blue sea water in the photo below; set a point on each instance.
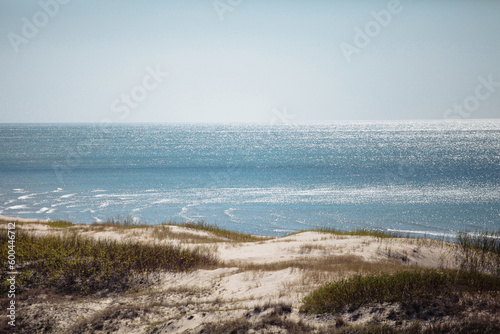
(423, 177)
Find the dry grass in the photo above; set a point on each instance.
(330, 263)
(214, 234)
(359, 232)
(165, 233)
(308, 248)
(78, 265)
(479, 251)
(109, 320)
(415, 289)
(275, 321)
(226, 235)
(60, 224)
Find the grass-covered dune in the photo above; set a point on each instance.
(119, 276)
(74, 264)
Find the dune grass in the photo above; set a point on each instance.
(164, 232)
(479, 251)
(359, 232)
(341, 264)
(59, 224)
(220, 232)
(121, 222)
(488, 241)
(275, 320)
(408, 287)
(73, 264)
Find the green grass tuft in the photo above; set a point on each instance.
(479, 251)
(73, 264)
(220, 232)
(359, 232)
(484, 241)
(409, 287)
(121, 221)
(60, 224)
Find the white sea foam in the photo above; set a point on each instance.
(183, 211)
(105, 204)
(17, 207)
(42, 210)
(283, 231)
(435, 234)
(483, 235)
(67, 196)
(301, 222)
(191, 216)
(121, 196)
(26, 196)
(61, 203)
(166, 200)
(231, 215)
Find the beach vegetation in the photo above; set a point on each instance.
(411, 289)
(275, 320)
(479, 251)
(109, 319)
(360, 232)
(59, 224)
(74, 264)
(127, 221)
(225, 234)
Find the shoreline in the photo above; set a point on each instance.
(21, 220)
(396, 233)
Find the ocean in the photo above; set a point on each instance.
(430, 178)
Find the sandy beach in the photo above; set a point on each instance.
(252, 281)
(19, 220)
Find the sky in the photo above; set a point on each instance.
(248, 61)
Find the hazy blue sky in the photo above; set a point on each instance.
(237, 60)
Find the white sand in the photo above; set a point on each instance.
(184, 301)
(20, 220)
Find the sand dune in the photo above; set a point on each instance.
(276, 271)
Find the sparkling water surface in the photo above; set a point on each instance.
(423, 177)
